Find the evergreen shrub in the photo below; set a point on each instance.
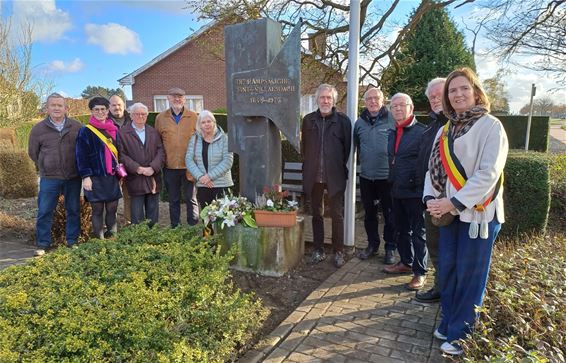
(526, 192)
(558, 183)
(18, 178)
(150, 295)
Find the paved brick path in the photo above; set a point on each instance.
(359, 314)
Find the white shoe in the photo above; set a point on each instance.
(439, 335)
(39, 252)
(451, 349)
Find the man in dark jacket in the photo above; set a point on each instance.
(52, 149)
(370, 139)
(403, 151)
(326, 143)
(141, 151)
(434, 94)
(121, 118)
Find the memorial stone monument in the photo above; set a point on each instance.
(263, 86)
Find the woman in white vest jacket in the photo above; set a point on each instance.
(464, 195)
(208, 159)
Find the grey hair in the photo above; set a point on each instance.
(201, 116)
(379, 92)
(404, 95)
(54, 95)
(136, 106)
(326, 86)
(433, 83)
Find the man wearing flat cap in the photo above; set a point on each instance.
(176, 125)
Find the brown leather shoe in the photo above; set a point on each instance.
(417, 282)
(398, 268)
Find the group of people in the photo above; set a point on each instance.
(439, 187)
(118, 156)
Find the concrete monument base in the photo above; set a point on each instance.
(268, 251)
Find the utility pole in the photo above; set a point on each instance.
(353, 79)
(533, 92)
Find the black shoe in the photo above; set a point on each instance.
(108, 234)
(367, 253)
(429, 296)
(389, 258)
(317, 256)
(339, 259)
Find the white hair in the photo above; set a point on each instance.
(379, 92)
(201, 116)
(136, 106)
(433, 83)
(404, 95)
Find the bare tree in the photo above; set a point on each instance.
(535, 29)
(329, 20)
(19, 89)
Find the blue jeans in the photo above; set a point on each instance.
(411, 242)
(49, 191)
(463, 266)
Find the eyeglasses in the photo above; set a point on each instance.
(400, 105)
(435, 98)
(377, 99)
(140, 114)
(99, 109)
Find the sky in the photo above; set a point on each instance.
(83, 42)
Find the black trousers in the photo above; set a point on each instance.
(144, 207)
(207, 195)
(373, 191)
(336, 214)
(175, 182)
(99, 218)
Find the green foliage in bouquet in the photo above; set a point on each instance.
(227, 211)
(275, 199)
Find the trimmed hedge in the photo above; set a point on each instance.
(526, 192)
(152, 295)
(18, 178)
(516, 129)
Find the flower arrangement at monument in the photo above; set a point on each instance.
(273, 208)
(228, 211)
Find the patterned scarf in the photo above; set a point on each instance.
(111, 130)
(460, 124)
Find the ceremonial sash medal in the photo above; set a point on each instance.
(457, 176)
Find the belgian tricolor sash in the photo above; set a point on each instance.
(455, 171)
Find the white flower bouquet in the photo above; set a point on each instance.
(228, 211)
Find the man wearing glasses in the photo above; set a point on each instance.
(403, 151)
(370, 139)
(176, 125)
(141, 152)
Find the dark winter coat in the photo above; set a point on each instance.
(437, 121)
(91, 163)
(403, 164)
(336, 150)
(53, 152)
(134, 154)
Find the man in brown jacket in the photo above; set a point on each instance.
(176, 125)
(52, 149)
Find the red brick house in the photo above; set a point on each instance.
(196, 64)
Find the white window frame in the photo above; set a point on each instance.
(308, 104)
(192, 102)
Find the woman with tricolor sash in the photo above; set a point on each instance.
(97, 157)
(464, 194)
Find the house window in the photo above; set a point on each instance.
(308, 104)
(193, 103)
